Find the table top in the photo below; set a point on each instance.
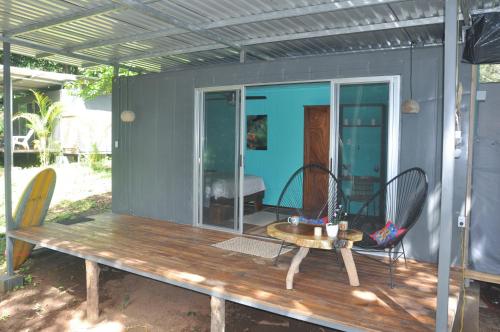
(303, 235)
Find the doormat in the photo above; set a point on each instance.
(75, 221)
(252, 247)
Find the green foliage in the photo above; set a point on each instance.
(68, 209)
(96, 81)
(28, 279)
(18, 60)
(1, 122)
(2, 250)
(43, 123)
(97, 161)
(489, 73)
(95, 158)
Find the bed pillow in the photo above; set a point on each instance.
(388, 233)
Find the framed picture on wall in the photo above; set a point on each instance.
(257, 132)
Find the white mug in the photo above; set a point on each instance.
(294, 220)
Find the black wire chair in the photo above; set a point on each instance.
(312, 192)
(401, 200)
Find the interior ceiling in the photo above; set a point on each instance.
(156, 35)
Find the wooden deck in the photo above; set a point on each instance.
(183, 256)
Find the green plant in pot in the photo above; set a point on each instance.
(332, 227)
(43, 122)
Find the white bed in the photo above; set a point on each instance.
(220, 185)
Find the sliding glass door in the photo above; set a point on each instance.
(220, 159)
(363, 142)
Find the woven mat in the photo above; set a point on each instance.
(252, 247)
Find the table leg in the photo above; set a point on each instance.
(294, 266)
(350, 266)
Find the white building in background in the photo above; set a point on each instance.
(83, 122)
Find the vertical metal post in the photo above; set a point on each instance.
(243, 55)
(116, 71)
(448, 160)
(470, 157)
(7, 157)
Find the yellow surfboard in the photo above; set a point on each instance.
(31, 210)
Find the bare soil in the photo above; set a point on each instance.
(54, 300)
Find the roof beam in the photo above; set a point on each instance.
(302, 35)
(299, 11)
(286, 13)
(348, 30)
(44, 48)
(170, 52)
(172, 20)
(63, 19)
(127, 39)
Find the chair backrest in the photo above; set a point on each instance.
(362, 188)
(401, 200)
(25, 138)
(29, 134)
(312, 192)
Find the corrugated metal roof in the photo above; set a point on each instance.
(162, 34)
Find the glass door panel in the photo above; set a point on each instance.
(363, 142)
(220, 159)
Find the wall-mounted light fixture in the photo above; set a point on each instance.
(127, 116)
(411, 106)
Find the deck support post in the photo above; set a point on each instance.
(218, 320)
(448, 162)
(92, 269)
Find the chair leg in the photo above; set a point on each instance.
(391, 269)
(279, 253)
(404, 254)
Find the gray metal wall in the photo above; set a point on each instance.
(153, 165)
(485, 220)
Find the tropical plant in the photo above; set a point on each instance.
(339, 214)
(95, 81)
(43, 123)
(18, 60)
(489, 73)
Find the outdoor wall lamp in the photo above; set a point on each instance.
(411, 106)
(127, 116)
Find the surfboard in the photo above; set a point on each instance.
(31, 211)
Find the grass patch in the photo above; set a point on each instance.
(73, 209)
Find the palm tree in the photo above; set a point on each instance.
(42, 123)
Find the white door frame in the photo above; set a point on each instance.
(393, 134)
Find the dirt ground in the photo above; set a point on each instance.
(54, 300)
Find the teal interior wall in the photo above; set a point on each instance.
(284, 107)
(220, 133)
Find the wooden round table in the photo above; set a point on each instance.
(302, 235)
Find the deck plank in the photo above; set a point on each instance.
(183, 256)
